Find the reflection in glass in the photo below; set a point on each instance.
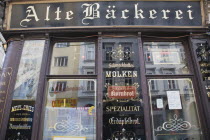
(165, 58)
(70, 109)
(174, 112)
(29, 70)
(73, 58)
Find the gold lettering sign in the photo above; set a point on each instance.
(21, 119)
(123, 121)
(66, 102)
(121, 74)
(122, 108)
(22, 107)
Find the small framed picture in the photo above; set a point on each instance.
(68, 138)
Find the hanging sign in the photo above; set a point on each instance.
(105, 14)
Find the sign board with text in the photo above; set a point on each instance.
(105, 14)
(20, 120)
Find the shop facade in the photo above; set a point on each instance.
(105, 70)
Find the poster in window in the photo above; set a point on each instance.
(174, 101)
(159, 103)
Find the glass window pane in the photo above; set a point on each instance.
(70, 109)
(20, 122)
(174, 111)
(29, 70)
(73, 58)
(165, 58)
(123, 115)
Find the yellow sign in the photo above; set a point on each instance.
(65, 102)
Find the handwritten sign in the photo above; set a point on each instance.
(174, 101)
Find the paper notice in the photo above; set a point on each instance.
(159, 103)
(174, 101)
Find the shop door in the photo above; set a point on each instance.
(123, 115)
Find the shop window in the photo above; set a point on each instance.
(29, 70)
(70, 104)
(71, 113)
(167, 57)
(123, 115)
(174, 111)
(61, 61)
(74, 59)
(25, 92)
